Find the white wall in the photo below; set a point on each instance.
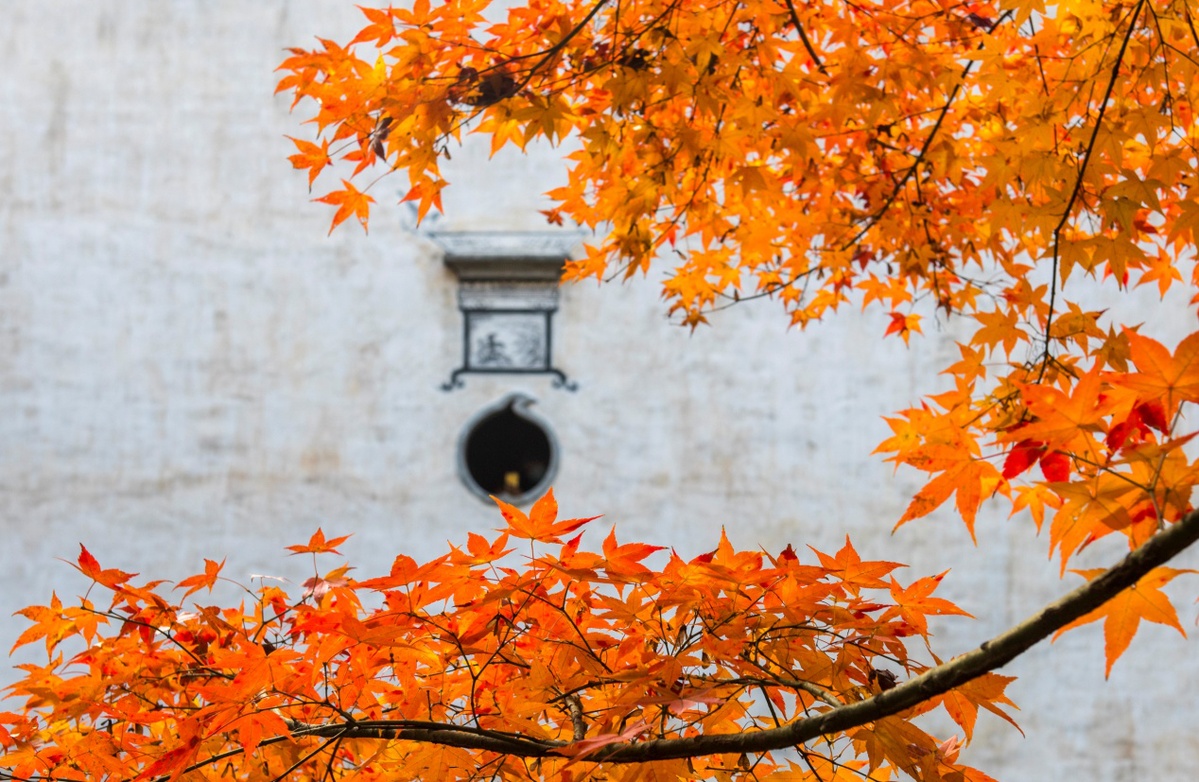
(190, 368)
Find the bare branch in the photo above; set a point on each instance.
(575, 706)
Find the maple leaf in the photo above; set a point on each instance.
(381, 29)
(318, 545)
(170, 764)
(312, 157)
(624, 561)
(427, 194)
(970, 480)
(1122, 615)
(1058, 416)
(49, 622)
(205, 580)
(903, 325)
(998, 327)
(849, 568)
(1055, 466)
(986, 692)
(1023, 455)
(541, 523)
(1162, 271)
(915, 602)
(349, 201)
(481, 551)
(1036, 499)
(1173, 379)
(88, 566)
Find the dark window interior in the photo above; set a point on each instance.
(507, 454)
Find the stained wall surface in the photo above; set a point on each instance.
(190, 367)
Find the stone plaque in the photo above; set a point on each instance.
(513, 341)
(508, 293)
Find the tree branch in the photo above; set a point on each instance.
(873, 219)
(989, 656)
(1082, 170)
(442, 734)
(803, 36)
(575, 706)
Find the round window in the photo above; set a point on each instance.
(508, 451)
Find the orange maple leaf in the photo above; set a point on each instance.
(427, 193)
(207, 579)
(986, 691)
(972, 480)
(318, 545)
(540, 524)
(903, 325)
(849, 568)
(625, 561)
(1122, 614)
(312, 157)
(88, 566)
(349, 201)
(915, 602)
(1059, 416)
(1162, 376)
(381, 29)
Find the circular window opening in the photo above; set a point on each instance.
(507, 451)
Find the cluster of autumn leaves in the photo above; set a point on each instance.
(976, 161)
(820, 153)
(1108, 444)
(533, 652)
(1106, 441)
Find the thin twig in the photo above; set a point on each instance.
(803, 36)
(1074, 194)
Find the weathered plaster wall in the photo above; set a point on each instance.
(189, 367)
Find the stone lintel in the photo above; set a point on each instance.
(526, 256)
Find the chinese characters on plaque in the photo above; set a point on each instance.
(508, 340)
(508, 294)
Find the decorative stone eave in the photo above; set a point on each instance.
(508, 293)
(509, 256)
